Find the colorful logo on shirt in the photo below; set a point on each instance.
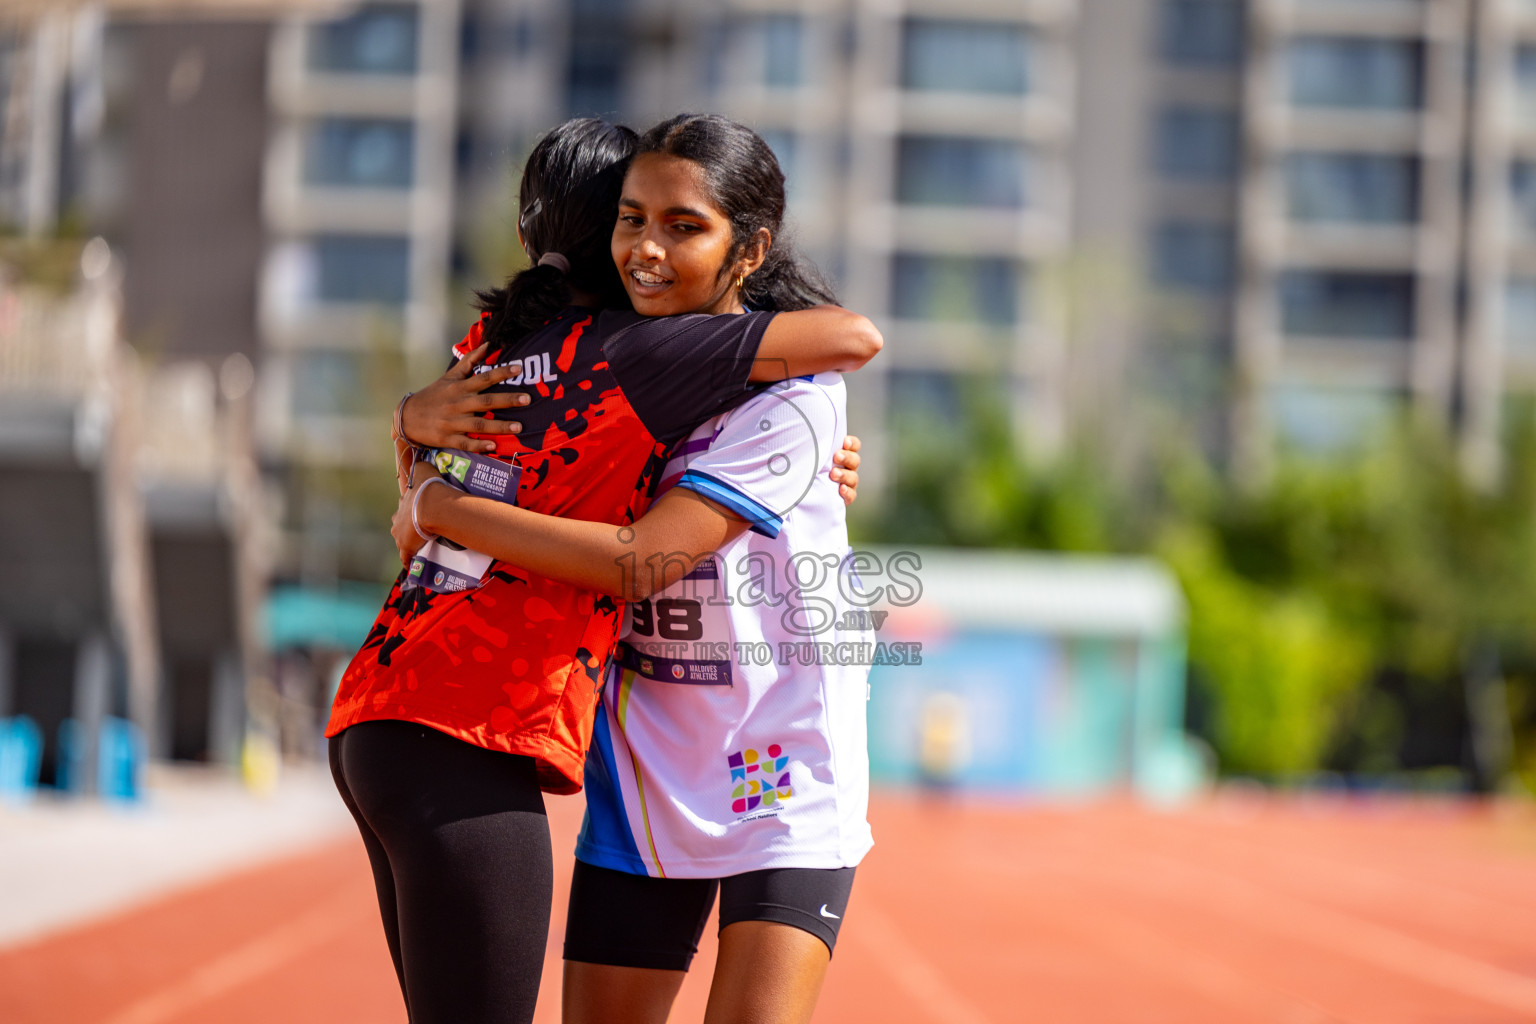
(678, 672)
(759, 781)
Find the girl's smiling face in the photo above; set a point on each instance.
(671, 242)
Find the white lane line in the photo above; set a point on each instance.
(1381, 946)
(1178, 963)
(260, 956)
(1394, 951)
(915, 973)
(1118, 937)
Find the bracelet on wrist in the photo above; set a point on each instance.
(416, 506)
(400, 417)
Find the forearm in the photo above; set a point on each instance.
(823, 339)
(631, 562)
(574, 551)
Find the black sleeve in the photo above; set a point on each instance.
(678, 371)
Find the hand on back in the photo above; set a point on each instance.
(845, 469)
(446, 412)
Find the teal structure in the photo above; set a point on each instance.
(1056, 676)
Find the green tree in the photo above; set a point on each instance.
(1338, 611)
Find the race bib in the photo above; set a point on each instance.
(441, 565)
(480, 475)
(445, 568)
(683, 634)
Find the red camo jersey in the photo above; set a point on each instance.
(515, 665)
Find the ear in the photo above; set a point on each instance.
(755, 253)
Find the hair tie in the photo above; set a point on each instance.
(554, 259)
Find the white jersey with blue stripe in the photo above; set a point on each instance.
(731, 736)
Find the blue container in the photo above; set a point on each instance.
(69, 776)
(21, 758)
(119, 762)
(120, 769)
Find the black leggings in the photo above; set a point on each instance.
(461, 861)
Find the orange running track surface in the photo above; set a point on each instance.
(1239, 909)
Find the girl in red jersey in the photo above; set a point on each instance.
(460, 706)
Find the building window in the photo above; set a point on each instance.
(945, 171)
(1190, 256)
(1202, 33)
(1353, 187)
(931, 394)
(782, 142)
(966, 56)
(934, 413)
(330, 384)
(365, 153)
(599, 44)
(955, 289)
(786, 149)
(1198, 143)
(1525, 84)
(362, 268)
(380, 39)
(1376, 74)
(1329, 419)
(775, 43)
(1333, 304)
(595, 75)
(1522, 188)
(1520, 316)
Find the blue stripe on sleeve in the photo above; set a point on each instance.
(762, 519)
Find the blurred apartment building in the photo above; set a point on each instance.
(1344, 190)
(271, 184)
(130, 472)
(1279, 218)
(357, 205)
(930, 151)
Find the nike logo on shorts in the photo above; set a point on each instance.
(826, 913)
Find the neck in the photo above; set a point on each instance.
(730, 302)
(581, 298)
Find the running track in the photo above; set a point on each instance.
(1241, 909)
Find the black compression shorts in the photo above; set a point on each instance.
(459, 845)
(627, 920)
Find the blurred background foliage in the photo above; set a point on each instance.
(1364, 612)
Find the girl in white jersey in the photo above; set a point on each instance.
(712, 764)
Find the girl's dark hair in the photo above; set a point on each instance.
(745, 184)
(567, 202)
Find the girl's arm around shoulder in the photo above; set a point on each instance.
(821, 339)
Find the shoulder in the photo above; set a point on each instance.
(473, 336)
(816, 397)
(615, 322)
(828, 385)
(612, 321)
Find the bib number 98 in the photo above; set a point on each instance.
(672, 618)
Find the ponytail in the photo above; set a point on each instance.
(569, 192)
